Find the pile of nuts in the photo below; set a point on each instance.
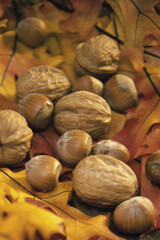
(80, 113)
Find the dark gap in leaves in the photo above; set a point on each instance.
(57, 236)
(38, 235)
(157, 8)
(65, 6)
(16, 77)
(106, 5)
(9, 198)
(86, 208)
(4, 214)
(26, 237)
(67, 176)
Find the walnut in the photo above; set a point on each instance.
(104, 181)
(98, 56)
(82, 110)
(46, 80)
(15, 137)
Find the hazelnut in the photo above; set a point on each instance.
(134, 216)
(88, 83)
(43, 172)
(120, 93)
(112, 148)
(82, 110)
(15, 137)
(32, 31)
(152, 167)
(104, 181)
(46, 80)
(37, 110)
(73, 146)
(98, 56)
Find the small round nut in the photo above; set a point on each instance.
(120, 93)
(113, 149)
(98, 56)
(43, 172)
(82, 110)
(104, 181)
(37, 110)
(152, 167)
(134, 216)
(32, 31)
(73, 146)
(88, 83)
(15, 137)
(46, 80)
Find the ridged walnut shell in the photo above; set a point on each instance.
(120, 93)
(152, 167)
(37, 110)
(113, 149)
(46, 80)
(99, 55)
(32, 31)
(134, 216)
(88, 83)
(43, 172)
(15, 137)
(104, 181)
(82, 110)
(73, 146)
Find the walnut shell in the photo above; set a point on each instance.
(99, 55)
(15, 137)
(84, 111)
(46, 80)
(32, 31)
(104, 181)
(134, 216)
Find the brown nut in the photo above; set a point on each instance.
(104, 181)
(152, 167)
(43, 172)
(46, 80)
(88, 83)
(120, 93)
(99, 55)
(134, 216)
(82, 110)
(37, 110)
(113, 149)
(32, 31)
(15, 137)
(73, 146)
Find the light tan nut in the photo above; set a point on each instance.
(88, 83)
(73, 146)
(82, 110)
(32, 31)
(43, 172)
(37, 110)
(99, 55)
(134, 216)
(46, 80)
(112, 148)
(104, 181)
(15, 137)
(120, 93)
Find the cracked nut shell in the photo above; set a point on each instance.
(15, 137)
(82, 110)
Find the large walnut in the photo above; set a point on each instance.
(98, 56)
(15, 137)
(104, 181)
(46, 80)
(84, 111)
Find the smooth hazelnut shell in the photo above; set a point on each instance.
(73, 146)
(37, 110)
(43, 172)
(152, 167)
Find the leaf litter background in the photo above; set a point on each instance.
(136, 28)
